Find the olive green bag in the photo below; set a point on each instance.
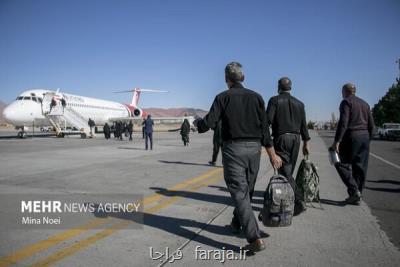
(307, 181)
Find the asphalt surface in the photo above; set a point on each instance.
(186, 208)
(382, 189)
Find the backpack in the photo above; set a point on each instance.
(278, 203)
(307, 181)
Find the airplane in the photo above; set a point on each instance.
(40, 108)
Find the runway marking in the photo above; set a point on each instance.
(39, 246)
(68, 251)
(384, 160)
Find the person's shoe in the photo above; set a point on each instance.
(299, 208)
(235, 227)
(354, 199)
(212, 163)
(254, 247)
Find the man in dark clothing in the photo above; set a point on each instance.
(217, 143)
(130, 130)
(244, 130)
(185, 130)
(287, 117)
(117, 130)
(106, 131)
(353, 135)
(143, 133)
(148, 129)
(91, 124)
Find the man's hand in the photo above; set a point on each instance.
(335, 147)
(275, 160)
(306, 148)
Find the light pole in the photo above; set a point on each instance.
(398, 78)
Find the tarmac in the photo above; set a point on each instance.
(186, 210)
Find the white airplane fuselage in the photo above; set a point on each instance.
(27, 109)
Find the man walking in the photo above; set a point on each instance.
(287, 117)
(148, 129)
(130, 130)
(353, 135)
(244, 129)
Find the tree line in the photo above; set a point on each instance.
(388, 107)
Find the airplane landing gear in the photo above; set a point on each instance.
(21, 134)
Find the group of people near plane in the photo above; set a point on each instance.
(242, 124)
(119, 129)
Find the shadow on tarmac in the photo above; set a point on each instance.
(131, 148)
(333, 202)
(388, 190)
(187, 163)
(178, 227)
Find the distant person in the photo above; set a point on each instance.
(117, 129)
(91, 124)
(143, 132)
(106, 131)
(148, 129)
(130, 130)
(286, 115)
(244, 131)
(121, 130)
(353, 135)
(53, 103)
(63, 103)
(185, 130)
(217, 143)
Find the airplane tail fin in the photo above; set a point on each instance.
(136, 94)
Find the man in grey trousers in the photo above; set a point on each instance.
(244, 130)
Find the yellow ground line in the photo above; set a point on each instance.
(68, 251)
(32, 249)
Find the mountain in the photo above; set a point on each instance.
(174, 112)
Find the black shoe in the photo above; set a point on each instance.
(299, 208)
(354, 199)
(254, 247)
(212, 163)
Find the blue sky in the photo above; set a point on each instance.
(93, 48)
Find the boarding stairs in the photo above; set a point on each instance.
(64, 119)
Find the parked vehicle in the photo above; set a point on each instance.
(389, 131)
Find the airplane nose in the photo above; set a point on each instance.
(9, 114)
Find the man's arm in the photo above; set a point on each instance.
(304, 132)
(371, 124)
(211, 119)
(275, 160)
(342, 124)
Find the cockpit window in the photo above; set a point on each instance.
(39, 99)
(19, 98)
(27, 98)
(34, 98)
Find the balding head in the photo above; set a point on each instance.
(284, 84)
(348, 89)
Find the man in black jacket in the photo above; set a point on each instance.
(244, 130)
(287, 117)
(353, 134)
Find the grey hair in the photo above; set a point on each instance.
(234, 72)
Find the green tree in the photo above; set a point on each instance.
(388, 107)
